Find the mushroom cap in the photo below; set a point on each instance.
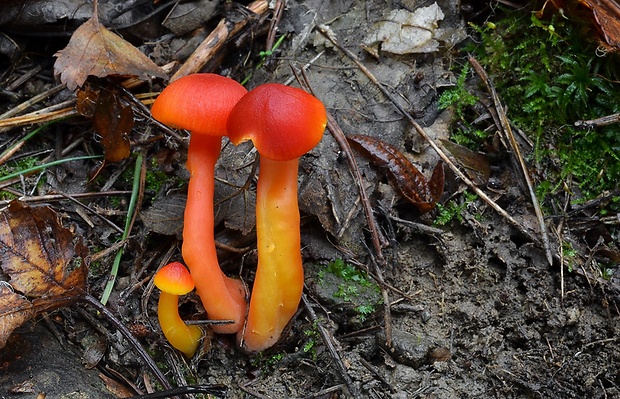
(283, 122)
(174, 278)
(199, 103)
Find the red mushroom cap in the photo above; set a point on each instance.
(199, 103)
(174, 279)
(283, 122)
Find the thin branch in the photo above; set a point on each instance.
(150, 363)
(325, 31)
(216, 40)
(328, 341)
(507, 130)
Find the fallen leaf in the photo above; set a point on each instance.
(14, 311)
(476, 165)
(94, 50)
(405, 177)
(165, 216)
(607, 16)
(111, 118)
(45, 266)
(406, 32)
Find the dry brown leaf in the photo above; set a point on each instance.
(111, 118)
(14, 311)
(405, 177)
(607, 16)
(45, 265)
(94, 50)
(476, 165)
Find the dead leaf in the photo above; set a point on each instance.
(165, 216)
(45, 265)
(94, 50)
(14, 311)
(111, 118)
(406, 32)
(476, 165)
(607, 16)
(405, 177)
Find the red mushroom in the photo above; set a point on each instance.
(284, 123)
(174, 280)
(201, 103)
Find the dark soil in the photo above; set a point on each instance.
(476, 308)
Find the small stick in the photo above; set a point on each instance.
(216, 40)
(505, 126)
(94, 302)
(275, 20)
(602, 121)
(329, 35)
(377, 239)
(327, 340)
(27, 104)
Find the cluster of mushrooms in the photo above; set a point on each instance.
(283, 123)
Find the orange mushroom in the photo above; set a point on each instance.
(284, 123)
(174, 280)
(201, 104)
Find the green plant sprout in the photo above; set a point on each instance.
(268, 53)
(263, 56)
(453, 210)
(312, 337)
(570, 254)
(127, 230)
(356, 288)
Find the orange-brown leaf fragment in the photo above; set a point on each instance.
(94, 50)
(45, 266)
(476, 165)
(406, 178)
(111, 118)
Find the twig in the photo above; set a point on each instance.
(602, 121)
(378, 240)
(505, 127)
(216, 40)
(27, 104)
(327, 33)
(91, 300)
(275, 20)
(327, 340)
(218, 391)
(43, 115)
(58, 197)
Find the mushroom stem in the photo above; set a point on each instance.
(279, 277)
(222, 296)
(181, 336)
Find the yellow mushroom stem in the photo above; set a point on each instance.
(181, 336)
(279, 280)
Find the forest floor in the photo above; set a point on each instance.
(417, 307)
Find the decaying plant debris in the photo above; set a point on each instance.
(487, 294)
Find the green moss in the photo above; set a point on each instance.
(453, 209)
(155, 177)
(550, 77)
(351, 286)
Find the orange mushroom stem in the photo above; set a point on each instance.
(201, 104)
(284, 123)
(174, 280)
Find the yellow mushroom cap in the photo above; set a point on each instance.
(174, 279)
